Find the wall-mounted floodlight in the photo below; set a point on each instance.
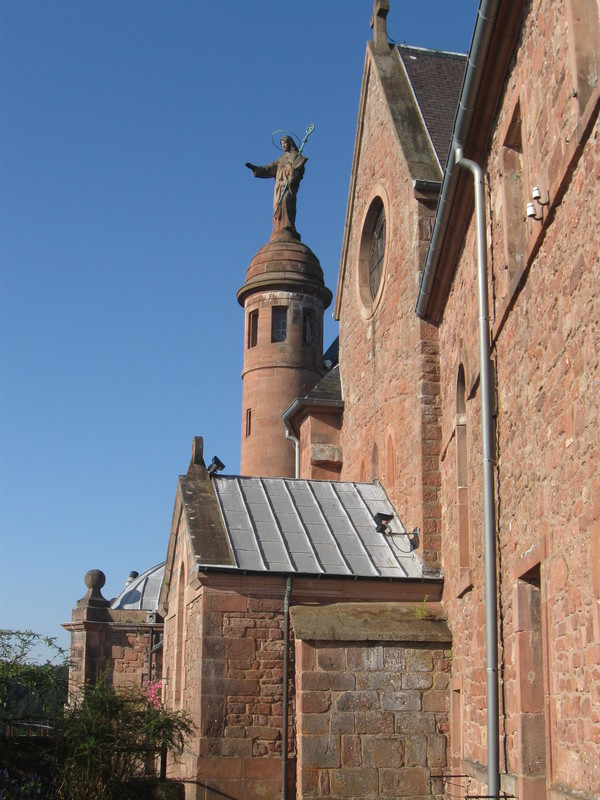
(216, 465)
(414, 537)
(382, 521)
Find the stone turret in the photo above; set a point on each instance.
(284, 298)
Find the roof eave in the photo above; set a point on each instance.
(433, 577)
(492, 46)
(310, 402)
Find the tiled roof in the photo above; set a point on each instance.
(280, 525)
(328, 388)
(436, 79)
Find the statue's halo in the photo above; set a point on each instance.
(277, 136)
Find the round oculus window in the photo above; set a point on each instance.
(372, 256)
(377, 253)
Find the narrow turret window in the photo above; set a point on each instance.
(308, 327)
(279, 324)
(252, 329)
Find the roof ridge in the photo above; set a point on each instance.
(431, 50)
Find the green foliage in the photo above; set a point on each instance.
(111, 736)
(29, 690)
(33, 689)
(421, 609)
(99, 745)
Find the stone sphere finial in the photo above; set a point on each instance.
(94, 579)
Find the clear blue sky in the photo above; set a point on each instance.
(127, 222)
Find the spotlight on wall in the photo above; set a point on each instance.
(414, 538)
(382, 521)
(216, 465)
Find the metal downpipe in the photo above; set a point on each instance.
(489, 516)
(296, 443)
(286, 667)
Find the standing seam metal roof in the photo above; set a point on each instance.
(312, 528)
(141, 593)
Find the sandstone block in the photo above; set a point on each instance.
(351, 751)
(357, 701)
(219, 767)
(321, 751)
(418, 660)
(411, 723)
(321, 681)
(355, 782)
(436, 700)
(383, 751)
(406, 782)
(331, 659)
(436, 751)
(374, 722)
(342, 722)
(403, 700)
(314, 723)
(225, 601)
(315, 702)
(360, 659)
(416, 750)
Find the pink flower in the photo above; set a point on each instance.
(153, 693)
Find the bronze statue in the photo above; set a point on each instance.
(288, 171)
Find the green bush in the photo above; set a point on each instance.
(110, 737)
(31, 691)
(99, 745)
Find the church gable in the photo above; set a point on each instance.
(407, 107)
(391, 145)
(197, 530)
(390, 428)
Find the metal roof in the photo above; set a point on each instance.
(142, 592)
(312, 528)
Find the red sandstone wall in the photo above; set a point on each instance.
(389, 362)
(113, 643)
(319, 438)
(233, 690)
(546, 345)
(372, 720)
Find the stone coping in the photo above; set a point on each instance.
(394, 622)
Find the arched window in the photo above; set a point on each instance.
(362, 472)
(375, 462)
(584, 34)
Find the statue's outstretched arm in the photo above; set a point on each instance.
(268, 171)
